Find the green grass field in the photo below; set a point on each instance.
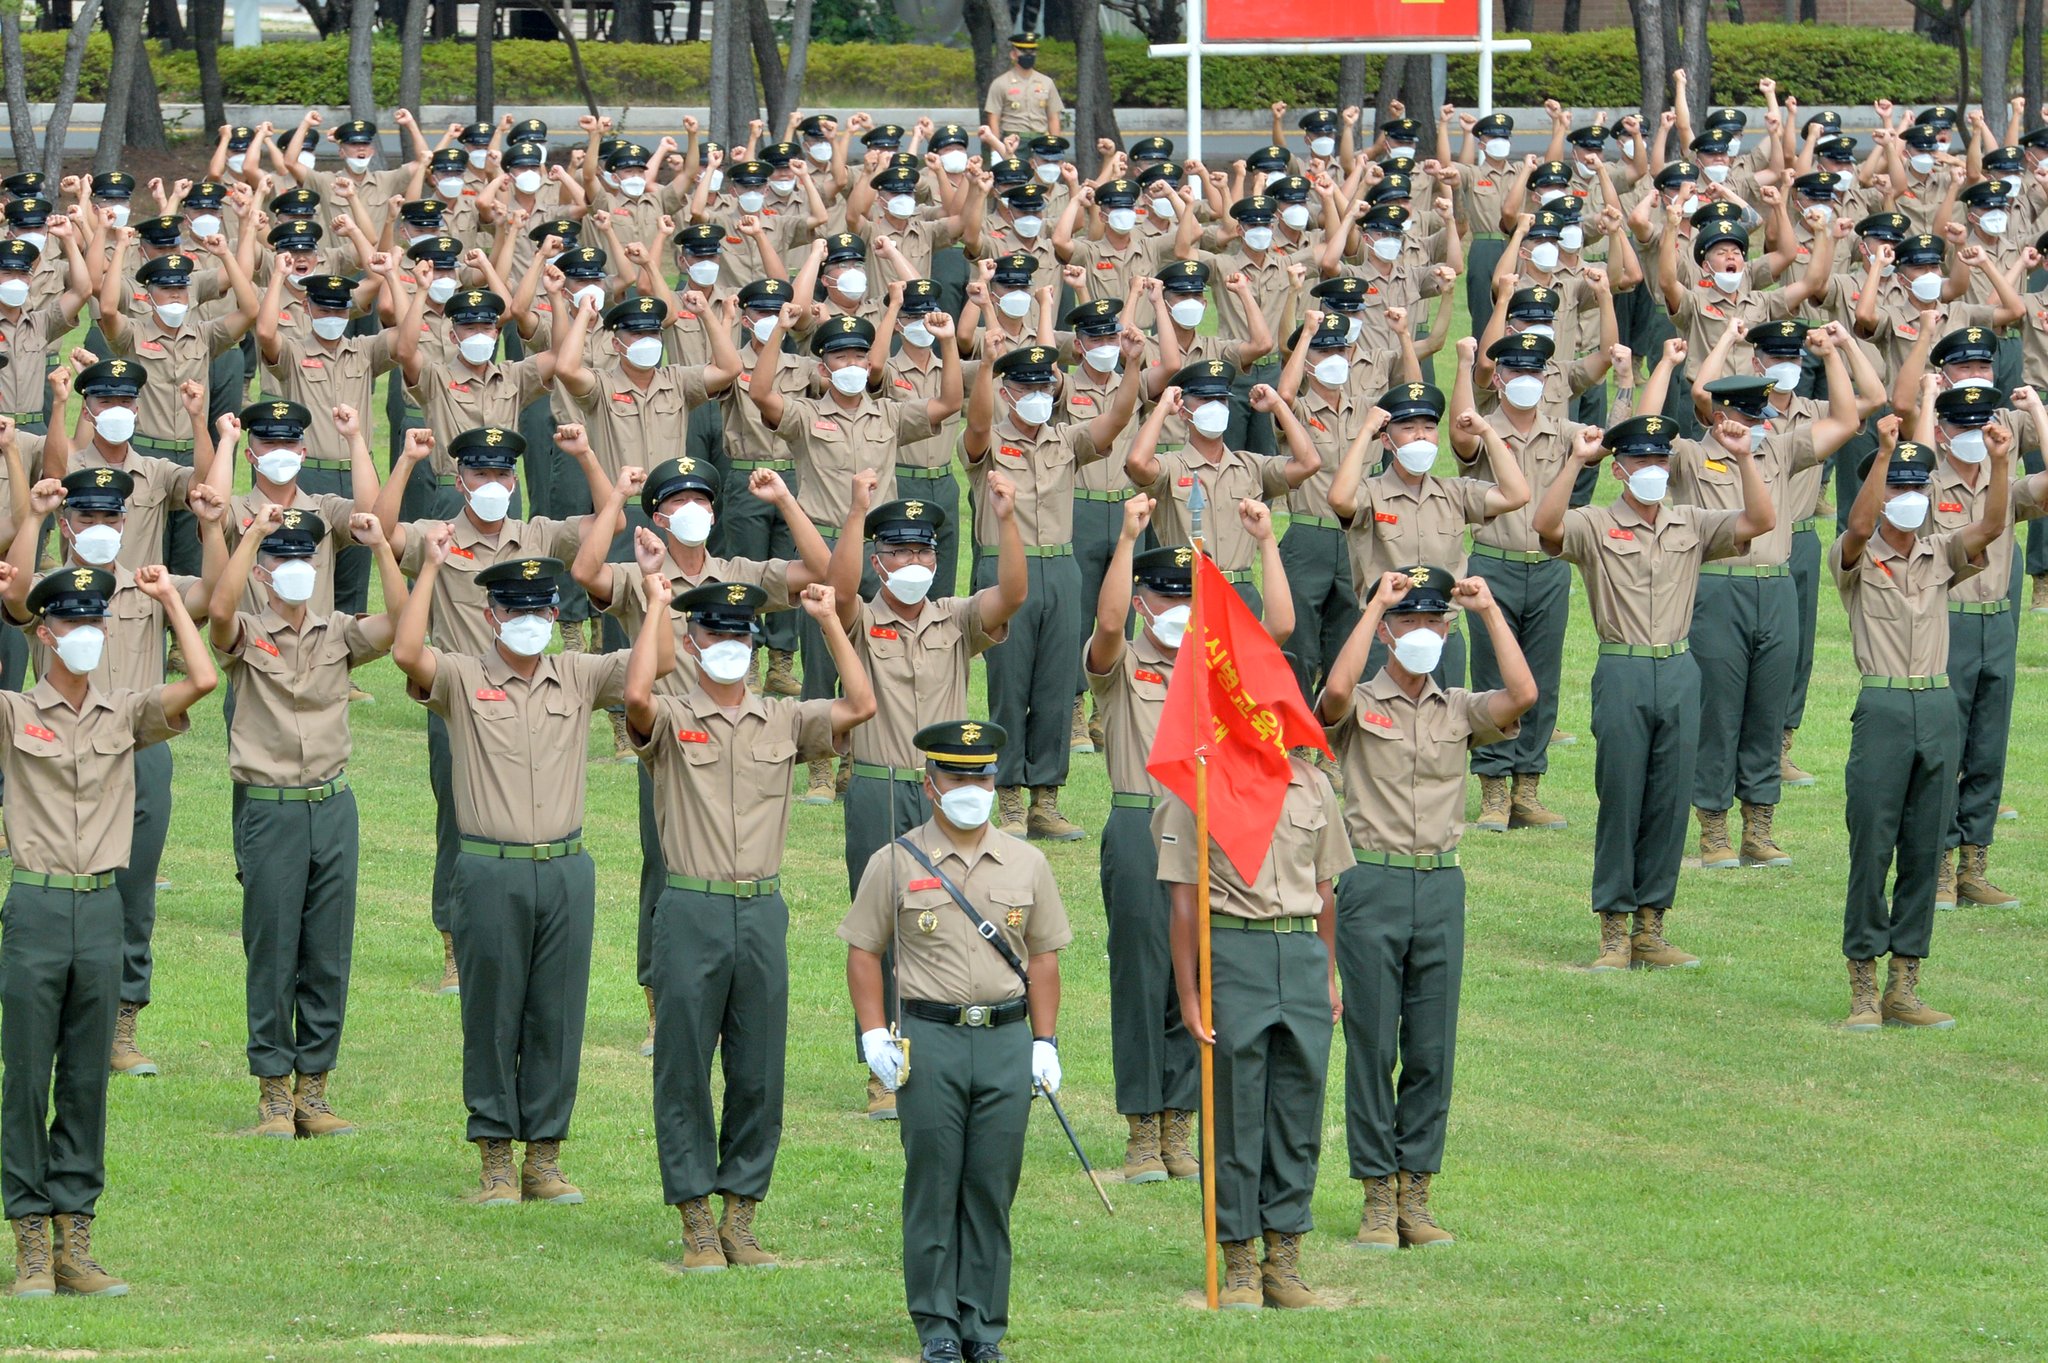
(1693, 1165)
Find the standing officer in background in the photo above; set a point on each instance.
(68, 751)
(1401, 741)
(977, 924)
(1023, 100)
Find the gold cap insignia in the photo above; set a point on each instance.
(914, 510)
(1653, 425)
(118, 368)
(494, 437)
(970, 732)
(1183, 556)
(736, 593)
(292, 517)
(280, 409)
(81, 578)
(530, 569)
(103, 478)
(686, 465)
(1418, 576)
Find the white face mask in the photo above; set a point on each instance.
(115, 424)
(172, 315)
(726, 661)
(632, 186)
(1627, 147)
(1389, 248)
(1543, 329)
(80, 649)
(1927, 287)
(1273, 178)
(1498, 148)
(14, 292)
(1028, 225)
(644, 352)
(1907, 511)
(330, 328)
(703, 273)
(1550, 196)
(850, 381)
(1728, 281)
(1584, 169)
(1735, 146)
(1400, 149)
(1416, 456)
(479, 157)
(1101, 358)
(714, 181)
(691, 523)
(785, 188)
(527, 182)
(205, 225)
(1048, 174)
(527, 635)
(902, 206)
(294, 581)
(1211, 418)
(818, 151)
(442, 288)
(490, 501)
(236, 160)
(449, 186)
(1163, 209)
(1543, 255)
(1033, 409)
(1015, 303)
(910, 584)
(1921, 162)
(1170, 626)
(358, 164)
(1523, 391)
(1322, 146)
(967, 807)
(1419, 651)
(1647, 484)
(917, 334)
(763, 328)
(1784, 375)
(1332, 372)
(854, 283)
(592, 292)
(1993, 222)
(308, 160)
(279, 466)
(478, 349)
(98, 545)
(1571, 237)
(952, 160)
(1122, 219)
(1258, 238)
(2012, 184)
(120, 214)
(1758, 434)
(1357, 324)
(1187, 313)
(1826, 211)
(751, 200)
(1295, 216)
(1718, 174)
(1968, 446)
(1689, 206)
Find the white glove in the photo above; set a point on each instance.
(884, 1057)
(1045, 1066)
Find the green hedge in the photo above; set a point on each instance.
(1818, 64)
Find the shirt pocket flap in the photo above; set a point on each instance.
(561, 702)
(776, 750)
(111, 742)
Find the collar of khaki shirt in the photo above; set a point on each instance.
(1384, 687)
(703, 706)
(943, 846)
(47, 697)
(497, 669)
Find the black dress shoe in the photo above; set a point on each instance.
(940, 1351)
(985, 1351)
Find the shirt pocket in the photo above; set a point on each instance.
(111, 744)
(1009, 912)
(36, 746)
(500, 732)
(772, 760)
(1881, 598)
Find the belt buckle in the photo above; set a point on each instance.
(975, 1015)
(745, 889)
(544, 851)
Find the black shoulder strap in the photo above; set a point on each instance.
(982, 926)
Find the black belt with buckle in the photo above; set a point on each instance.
(968, 1014)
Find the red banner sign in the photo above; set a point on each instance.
(1338, 20)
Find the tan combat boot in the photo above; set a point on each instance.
(1972, 885)
(1280, 1275)
(1176, 1144)
(77, 1273)
(495, 1185)
(1615, 952)
(1649, 951)
(622, 742)
(1095, 738)
(1077, 732)
(818, 788)
(736, 1234)
(1790, 773)
(1759, 848)
(6, 849)
(1046, 823)
(126, 1059)
(1415, 1221)
(540, 1175)
(1526, 808)
(274, 1107)
(1331, 769)
(1863, 1011)
(1560, 739)
(1716, 852)
(881, 1101)
(781, 679)
(1945, 880)
(1240, 1277)
(2037, 600)
(844, 779)
(1010, 810)
(1901, 1005)
(310, 1112)
(1377, 1228)
(1141, 1150)
(451, 978)
(647, 1046)
(34, 1277)
(701, 1253)
(1493, 805)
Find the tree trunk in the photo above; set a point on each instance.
(564, 17)
(799, 51)
(67, 91)
(734, 101)
(165, 26)
(633, 21)
(145, 122)
(2030, 67)
(1809, 11)
(412, 37)
(1094, 105)
(1695, 58)
(988, 28)
(1518, 16)
(131, 92)
(362, 26)
(1571, 16)
(445, 15)
(1791, 8)
(768, 57)
(1653, 69)
(20, 123)
(1351, 81)
(486, 74)
(1673, 57)
(1735, 11)
(1392, 71)
(207, 16)
(1996, 20)
(1962, 40)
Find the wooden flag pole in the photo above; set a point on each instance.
(1196, 502)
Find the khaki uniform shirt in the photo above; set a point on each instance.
(1270, 286)
(919, 240)
(375, 189)
(1307, 850)
(1897, 603)
(1404, 284)
(721, 779)
(1404, 763)
(1898, 318)
(1238, 474)
(1955, 504)
(1024, 100)
(160, 489)
(319, 379)
(456, 399)
(335, 510)
(919, 671)
(918, 378)
(747, 437)
(1397, 525)
(1641, 579)
(1129, 699)
(939, 956)
(71, 774)
(1112, 268)
(1919, 197)
(1088, 395)
(1542, 454)
(170, 358)
(629, 603)
(1332, 427)
(28, 342)
(291, 696)
(1703, 475)
(1044, 468)
(1704, 312)
(1481, 196)
(133, 659)
(629, 424)
(520, 747)
(456, 621)
(830, 444)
